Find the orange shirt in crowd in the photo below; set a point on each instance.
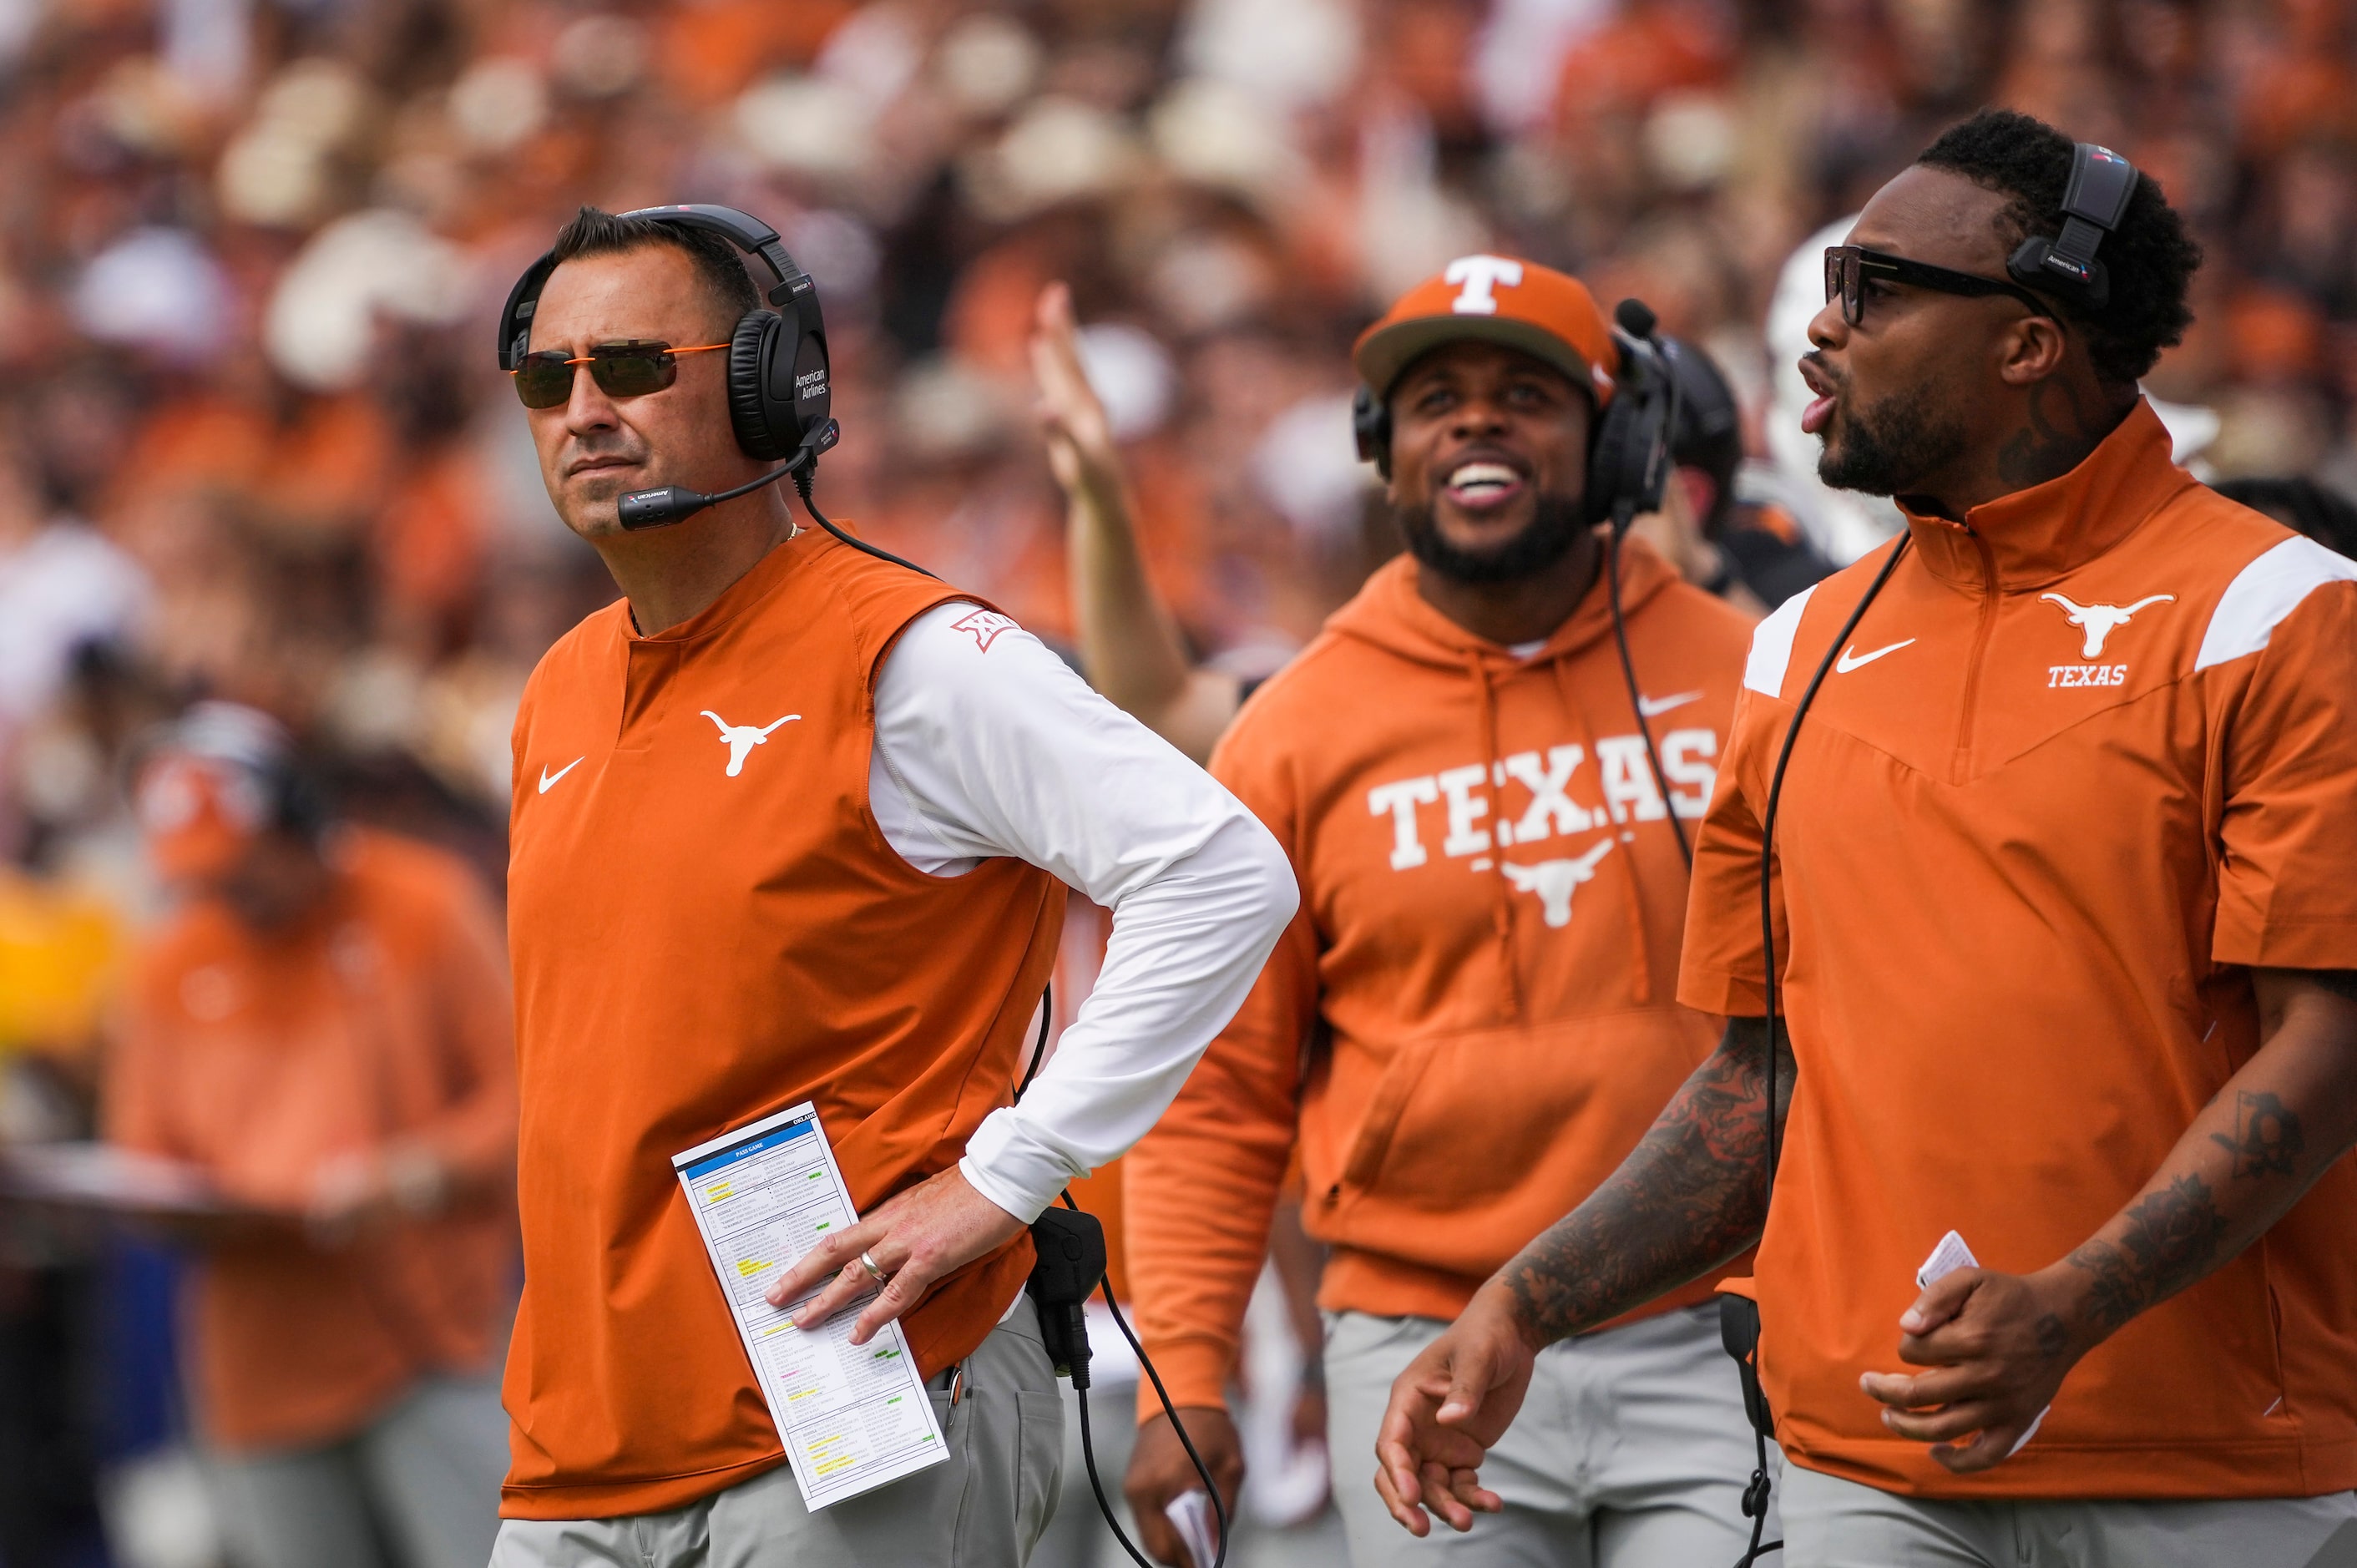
(1471, 1020)
(2089, 756)
(707, 931)
(383, 1015)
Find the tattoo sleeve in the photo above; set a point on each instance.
(1689, 1197)
(2169, 1240)
(2251, 1153)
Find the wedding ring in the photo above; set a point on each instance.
(878, 1274)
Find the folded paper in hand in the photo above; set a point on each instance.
(1946, 1258)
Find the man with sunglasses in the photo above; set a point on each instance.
(793, 821)
(2056, 1266)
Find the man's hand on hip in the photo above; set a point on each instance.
(1160, 1473)
(1453, 1402)
(915, 1238)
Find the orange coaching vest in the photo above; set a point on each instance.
(708, 925)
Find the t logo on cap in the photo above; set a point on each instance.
(1479, 274)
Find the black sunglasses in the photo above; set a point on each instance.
(632, 369)
(1848, 268)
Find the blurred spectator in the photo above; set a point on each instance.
(323, 1030)
(1748, 552)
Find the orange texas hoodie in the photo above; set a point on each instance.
(1474, 1016)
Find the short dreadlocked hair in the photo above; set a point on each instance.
(2150, 256)
(596, 233)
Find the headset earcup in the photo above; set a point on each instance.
(749, 408)
(1608, 454)
(1370, 426)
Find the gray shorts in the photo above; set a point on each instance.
(983, 1507)
(1830, 1522)
(1631, 1451)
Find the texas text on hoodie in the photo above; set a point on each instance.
(1473, 1017)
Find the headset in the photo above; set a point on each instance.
(779, 391)
(780, 394)
(1628, 466)
(1627, 454)
(2092, 205)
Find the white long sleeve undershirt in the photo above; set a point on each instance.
(986, 743)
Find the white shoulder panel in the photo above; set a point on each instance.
(1771, 645)
(2262, 594)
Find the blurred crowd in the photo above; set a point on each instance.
(254, 446)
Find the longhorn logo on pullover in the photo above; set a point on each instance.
(2099, 622)
(741, 739)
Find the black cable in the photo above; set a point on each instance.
(1145, 1362)
(1089, 1458)
(1637, 697)
(803, 488)
(1768, 843)
(1768, 962)
(1038, 1047)
(1088, 1448)
(1755, 1503)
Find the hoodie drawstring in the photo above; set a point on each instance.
(1641, 967)
(1501, 897)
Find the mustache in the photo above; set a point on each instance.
(578, 452)
(1815, 359)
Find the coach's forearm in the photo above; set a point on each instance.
(1688, 1198)
(2254, 1151)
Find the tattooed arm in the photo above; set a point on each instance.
(2001, 1344)
(1692, 1195)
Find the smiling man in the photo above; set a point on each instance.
(2066, 921)
(1472, 1018)
(793, 821)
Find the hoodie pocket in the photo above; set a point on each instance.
(1528, 1117)
(1399, 1080)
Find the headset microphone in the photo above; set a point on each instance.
(667, 504)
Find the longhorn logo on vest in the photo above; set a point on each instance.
(1479, 275)
(1555, 881)
(2099, 622)
(741, 739)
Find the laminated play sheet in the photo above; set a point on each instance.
(852, 1417)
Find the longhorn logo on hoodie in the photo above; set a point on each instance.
(1555, 881)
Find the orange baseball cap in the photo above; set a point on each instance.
(1503, 299)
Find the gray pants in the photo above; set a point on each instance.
(1076, 1537)
(418, 1486)
(1631, 1451)
(1833, 1523)
(983, 1507)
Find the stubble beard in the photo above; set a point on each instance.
(1888, 447)
(1556, 523)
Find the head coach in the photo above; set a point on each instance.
(2065, 921)
(794, 821)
